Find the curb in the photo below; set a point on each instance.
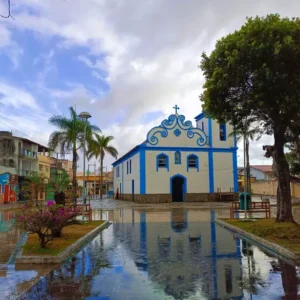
(262, 243)
(64, 254)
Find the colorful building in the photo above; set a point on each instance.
(8, 188)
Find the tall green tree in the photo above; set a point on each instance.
(255, 72)
(98, 147)
(68, 139)
(249, 132)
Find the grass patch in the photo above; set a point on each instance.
(284, 234)
(69, 236)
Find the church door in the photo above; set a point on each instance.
(177, 189)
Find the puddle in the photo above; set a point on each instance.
(167, 254)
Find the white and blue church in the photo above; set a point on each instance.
(179, 163)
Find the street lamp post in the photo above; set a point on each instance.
(84, 116)
(94, 177)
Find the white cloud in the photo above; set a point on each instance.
(16, 98)
(149, 49)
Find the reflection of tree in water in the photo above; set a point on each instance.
(289, 278)
(74, 279)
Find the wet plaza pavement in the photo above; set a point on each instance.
(171, 253)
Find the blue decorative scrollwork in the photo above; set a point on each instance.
(184, 125)
(171, 123)
(152, 139)
(177, 132)
(202, 137)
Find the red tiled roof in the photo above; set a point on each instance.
(263, 168)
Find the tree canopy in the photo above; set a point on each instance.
(253, 74)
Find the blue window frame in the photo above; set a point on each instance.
(177, 158)
(192, 162)
(162, 161)
(222, 132)
(130, 166)
(127, 169)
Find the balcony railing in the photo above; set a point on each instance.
(28, 153)
(27, 173)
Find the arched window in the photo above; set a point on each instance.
(162, 161)
(177, 158)
(192, 162)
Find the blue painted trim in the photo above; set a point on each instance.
(214, 252)
(234, 141)
(235, 172)
(143, 240)
(191, 149)
(202, 126)
(200, 116)
(167, 162)
(130, 166)
(127, 167)
(142, 172)
(187, 162)
(177, 162)
(184, 184)
(123, 177)
(223, 127)
(210, 133)
(138, 148)
(211, 172)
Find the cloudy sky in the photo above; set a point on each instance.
(127, 62)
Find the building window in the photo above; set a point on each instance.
(177, 158)
(202, 126)
(41, 168)
(130, 166)
(118, 171)
(162, 161)
(222, 132)
(192, 162)
(127, 169)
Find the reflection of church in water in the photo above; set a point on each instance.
(184, 252)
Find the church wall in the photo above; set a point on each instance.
(134, 175)
(203, 125)
(223, 172)
(158, 182)
(124, 180)
(216, 142)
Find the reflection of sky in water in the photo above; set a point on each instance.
(180, 257)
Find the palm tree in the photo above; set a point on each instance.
(249, 132)
(69, 138)
(97, 148)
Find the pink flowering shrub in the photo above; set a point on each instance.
(46, 221)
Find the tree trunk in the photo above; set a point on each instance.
(289, 280)
(42, 240)
(101, 178)
(74, 174)
(248, 167)
(284, 202)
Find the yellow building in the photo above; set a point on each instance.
(44, 165)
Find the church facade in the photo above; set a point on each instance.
(179, 163)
